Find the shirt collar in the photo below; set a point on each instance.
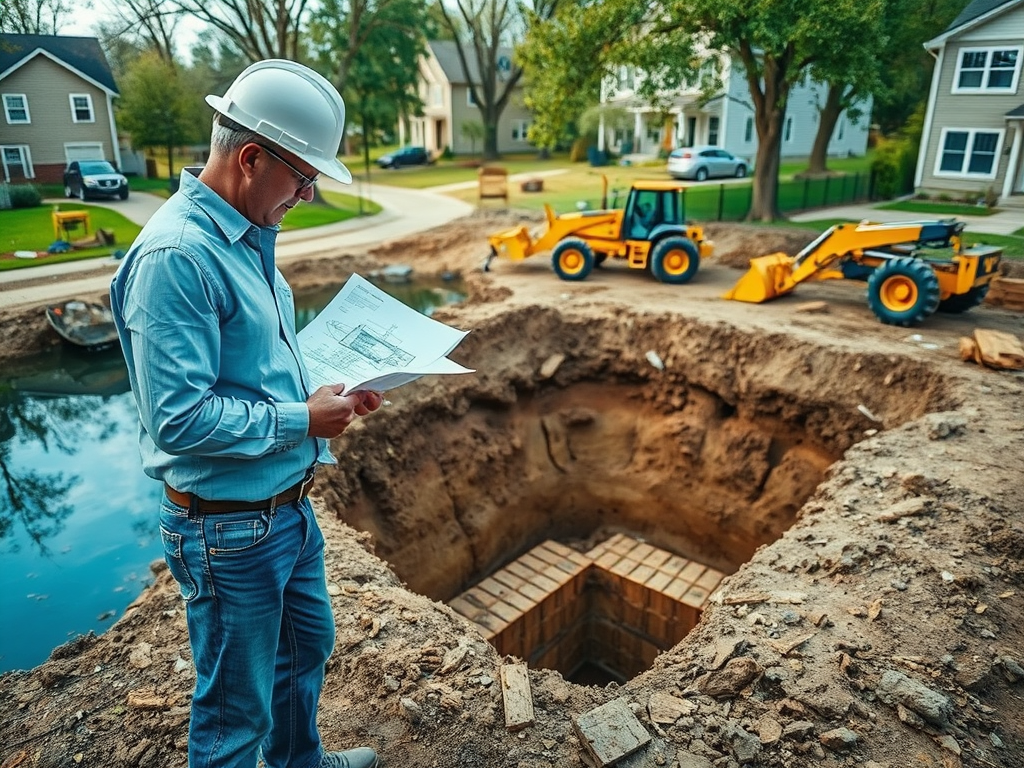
(233, 224)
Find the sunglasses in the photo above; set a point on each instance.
(305, 183)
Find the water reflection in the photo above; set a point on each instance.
(78, 527)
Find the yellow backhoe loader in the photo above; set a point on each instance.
(912, 268)
(651, 232)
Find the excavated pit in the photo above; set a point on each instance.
(704, 451)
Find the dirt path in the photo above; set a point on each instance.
(861, 484)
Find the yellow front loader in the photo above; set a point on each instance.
(912, 268)
(650, 233)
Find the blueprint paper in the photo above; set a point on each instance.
(367, 339)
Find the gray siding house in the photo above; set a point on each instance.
(973, 140)
(726, 121)
(57, 97)
(448, 104)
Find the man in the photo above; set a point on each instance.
(207, 326)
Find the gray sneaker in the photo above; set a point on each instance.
(360, 757)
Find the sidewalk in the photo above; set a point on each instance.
(1002, 223)
(405, 212)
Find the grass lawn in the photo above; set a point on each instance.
(938, 209)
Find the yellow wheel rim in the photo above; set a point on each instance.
(571, 261)
(898, 293)
(676, 262)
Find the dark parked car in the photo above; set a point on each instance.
(94, 178)
(404, 156)
(704, 162)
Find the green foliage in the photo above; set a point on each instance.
(160, 106)
(25, 195)
(370, 52)
(896, 158)
(474, 131)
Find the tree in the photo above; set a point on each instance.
(480, 29)
(775, 42)
(159, 107)
(259, 29)
(35, 17)
(370, 50)
(474, 131)
(152, 23)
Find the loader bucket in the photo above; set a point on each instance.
(514, 244)
(766, 279)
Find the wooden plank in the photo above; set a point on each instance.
(610, 732)
(999, 349)
(515, 692)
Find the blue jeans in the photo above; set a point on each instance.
(261, 629)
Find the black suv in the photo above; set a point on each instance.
(94, 178)
(404, 156)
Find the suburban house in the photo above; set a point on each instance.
(972, 144)
(685, 119)
(448, 104)
(57, 94)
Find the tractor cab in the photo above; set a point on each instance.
(651, 208)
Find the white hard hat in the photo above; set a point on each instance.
(292, 106)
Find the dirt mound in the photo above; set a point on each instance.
(859, 482)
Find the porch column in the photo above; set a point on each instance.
(638, 132)
(1013, 167)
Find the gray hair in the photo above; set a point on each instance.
(227, 135)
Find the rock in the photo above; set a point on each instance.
(550, 366)
(664, 708)
(745, 746)
(839, 739)
(943, 425)
(141, 656)
(769, 730)
(412, 710)
(898, 688)
(732, 679)
(1011, 669)
(798, 729)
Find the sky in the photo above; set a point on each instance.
(83, 19)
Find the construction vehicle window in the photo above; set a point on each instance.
(671, 213)
(643, 214)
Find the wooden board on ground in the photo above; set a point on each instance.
(610, 732)
(1006, 292)
(515, 691)
(995, 349)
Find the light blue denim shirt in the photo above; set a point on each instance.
(207, 327)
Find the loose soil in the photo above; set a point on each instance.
(860, 483)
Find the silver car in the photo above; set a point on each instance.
(702, 163)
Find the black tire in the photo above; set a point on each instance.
(572, 259)
(702, 174)
(903, 291)
(741, 171)
(954, 305)
(68, 192)
(675, 260)
(123, 194)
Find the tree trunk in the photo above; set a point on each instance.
(490, 138)
(764, 204)
(170, 163)
(829, 116)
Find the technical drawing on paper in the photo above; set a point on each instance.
(379, 351)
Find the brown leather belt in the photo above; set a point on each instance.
(212, 507)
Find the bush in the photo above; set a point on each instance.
(25, 196)
(893, 167)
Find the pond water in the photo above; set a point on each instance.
(78, 518)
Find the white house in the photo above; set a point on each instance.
(727, 120)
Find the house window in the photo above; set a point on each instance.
(81, 108)
(520, 129)
(748, 131)
(968, 152)
(981, 70)
(16, 109)
(787, 131)
(470, 101)
(713, 131)
(17, 163)
(436, 99)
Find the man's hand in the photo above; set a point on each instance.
(330, 412)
